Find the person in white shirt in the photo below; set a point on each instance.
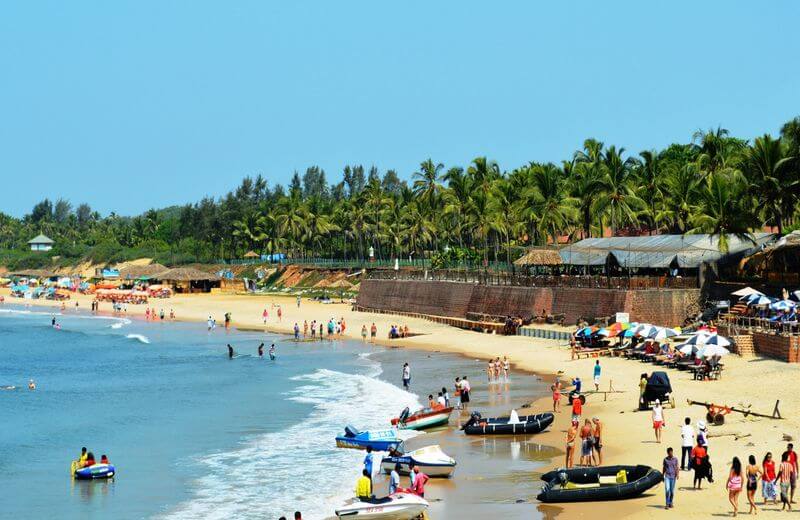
(440, 400)
(687, 442)
(406, 376)
(658, 419)
(394, 479)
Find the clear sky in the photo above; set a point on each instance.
(132, 105)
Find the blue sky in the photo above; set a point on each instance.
(132, 105)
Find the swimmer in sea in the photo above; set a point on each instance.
(272, 352)
(31, 385)
(230, 351)
(261, 350)
(58, 326)
(53, 321)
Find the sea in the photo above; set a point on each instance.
(196, 435)
(192, 433)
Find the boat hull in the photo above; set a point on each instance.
(639, 479)
(529, 424)
(424, 419)
(394, 507)
(358, 444)
(430, 469)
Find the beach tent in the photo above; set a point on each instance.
(747, 291)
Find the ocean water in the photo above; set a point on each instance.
(192, 433)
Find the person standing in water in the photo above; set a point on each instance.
(261, 350)
(406, 376)
(210, 323)
(31, 385)
(296, 332)
(227, 320)
(53, 321)
(230, 351)
(364, 333)
(272, 352)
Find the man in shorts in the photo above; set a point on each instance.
(577, 407)
(597, 375)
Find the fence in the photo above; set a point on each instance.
(738, 324)
(521, 280)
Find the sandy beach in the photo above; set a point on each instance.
(629, 438)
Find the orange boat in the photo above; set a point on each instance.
(422, 419)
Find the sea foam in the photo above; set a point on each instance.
(139, 337)
(299, 468)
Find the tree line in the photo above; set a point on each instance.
(716, 183)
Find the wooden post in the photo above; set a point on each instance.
(776, 412)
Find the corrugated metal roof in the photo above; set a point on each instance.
(658, 251)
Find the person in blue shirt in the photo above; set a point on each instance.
(577, 384)
(368, 462)
(597, 375)
(394, 479)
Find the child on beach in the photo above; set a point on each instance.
(556, 399)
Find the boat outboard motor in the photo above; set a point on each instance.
(563, 479)
(474, 418)
(404, 414)
(350, 431)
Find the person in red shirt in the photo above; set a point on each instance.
(89, 460)
(103, 459)
(577, 408)
(698, 457)
(768, 479)
(792, 459)
(420, 479)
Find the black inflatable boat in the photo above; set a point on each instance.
(593, 484)
(524, 424)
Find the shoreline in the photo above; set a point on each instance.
(629, 439)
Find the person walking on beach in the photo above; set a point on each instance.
(296, 332)
(298, 301)
(768, 478)
(734, 484)
(597, 441)
(792, 458)
(490, 370)
(506, 367)
(364, 333)
(320, 331)
(406, 376)
(670, 472)
(658, 419)
(786, 474)
(556, 399)
(373, 331)
(597, 370)
(313, 329)
(752, 472)
(701, 465)
(264, 315)
(305, 329)
(572, 434)
(280, 313)
(687, 441)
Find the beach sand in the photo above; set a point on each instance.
(629, 438)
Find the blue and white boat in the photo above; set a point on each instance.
(379, 440)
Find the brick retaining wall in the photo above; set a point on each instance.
(659, 306)
(781, 347)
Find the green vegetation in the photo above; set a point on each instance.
(715, 184)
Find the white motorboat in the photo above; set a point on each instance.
(399, 506)
(431, 460)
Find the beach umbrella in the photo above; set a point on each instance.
(698, 338)
(759, 300)
(604, 332)
(687, 349)
(714, 350)
(627, 333)
(796, 295)
(718, 340)
(646, 330)
(782, 305)
(665, 333)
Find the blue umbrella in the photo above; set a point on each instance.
(783, 305)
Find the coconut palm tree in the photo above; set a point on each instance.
(772, 178)
(650, 180)
(552, 203)
(683, 186)
(616, 194)
(724, 209)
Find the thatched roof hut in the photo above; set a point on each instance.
(33, 273)
(133, 272)
(186, 274)
(539, 256)
(782, 256)
(252, 254)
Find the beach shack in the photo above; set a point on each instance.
(189, 280)
(41, 243)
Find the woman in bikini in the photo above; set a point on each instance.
(752, 472)
(572, 433)
(490, 370)
(734, 484)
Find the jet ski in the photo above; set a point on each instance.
(431, 460)
(399, 506)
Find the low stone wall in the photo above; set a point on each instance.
(783, 347)
(456, 299)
